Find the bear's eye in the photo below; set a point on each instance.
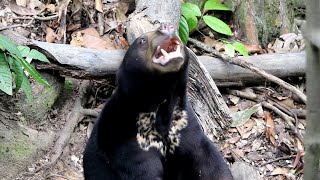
(142, 41)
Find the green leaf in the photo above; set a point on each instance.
(27, 87)
(240, 48)
(215, 5)
(5, 75)
(183, 30)
(9, 46)
(217, 25)
(16, 67)
(229, 49)
(241, 117)
(33, 72)
(33, 54)
(190, 9)
(192, 22)
(24, 50)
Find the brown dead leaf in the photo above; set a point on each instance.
(51, 8)
(237, 152)
(209, 41)
(256, 144)
(299, 145)
(254, 48)
(36, 4)
(288, 103)
(90, 31)
(232, 130)
(51, 36)
(270, 128)
(234, 99)
(233, 109)
(241, 131)
(246, 135)
(110, 25)
(233, 139)
(77, 39)
(98, 5)
(121, 11)
(254, 156)
(297, 159)
(219, 46)
(280, 171)
(23, 10)
(76, 6)
(89, 39)
(260, 125)
(270, 167)
(22, 3)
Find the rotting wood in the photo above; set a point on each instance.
(209, 107)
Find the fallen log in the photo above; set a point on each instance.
(91, 63)
(280, 65)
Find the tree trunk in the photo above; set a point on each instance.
(312, 138)
(262, 21)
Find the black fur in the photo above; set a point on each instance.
(196, 157)
(113, 151)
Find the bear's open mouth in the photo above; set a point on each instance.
(167, 50)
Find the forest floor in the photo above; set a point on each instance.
(263, 139)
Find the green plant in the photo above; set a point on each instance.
(14, 63)
(191, 14)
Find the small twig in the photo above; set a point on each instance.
(47, 18)
(17, 25)
(251, 96)
(278, 159)
(240, 62)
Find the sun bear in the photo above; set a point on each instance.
(147, 129)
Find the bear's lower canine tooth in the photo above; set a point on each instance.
(165, 54)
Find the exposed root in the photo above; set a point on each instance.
(74, 118)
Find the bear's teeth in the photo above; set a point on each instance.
(165, 54)
(178, 49)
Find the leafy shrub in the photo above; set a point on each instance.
(14, 63)
(189, 20)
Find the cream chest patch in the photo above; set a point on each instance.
(148, 136)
